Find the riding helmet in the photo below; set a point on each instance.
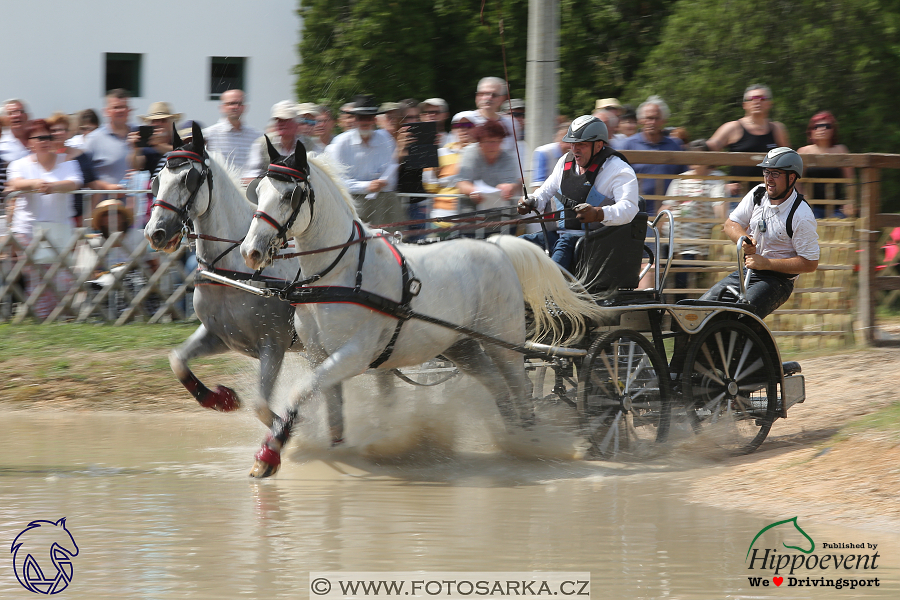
(587, 129)
(785, 159)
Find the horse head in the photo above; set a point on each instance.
(285, 205)
(182, 191)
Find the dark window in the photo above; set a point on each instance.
(123, 71)
(225, 73)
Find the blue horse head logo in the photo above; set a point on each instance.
(32, 548)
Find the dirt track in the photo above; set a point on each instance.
(803, 469)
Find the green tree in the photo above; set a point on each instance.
(602, 45)
(407, 48)
(837, 55)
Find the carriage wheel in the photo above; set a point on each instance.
(730, 386)
(623, 395)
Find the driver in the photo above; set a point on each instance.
(782, 232)
(591, 186)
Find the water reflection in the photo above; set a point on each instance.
(161, 507)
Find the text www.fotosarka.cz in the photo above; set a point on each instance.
(450, 586)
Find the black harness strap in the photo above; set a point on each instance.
(410, 285)
(760, 191)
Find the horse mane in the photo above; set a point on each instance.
(227, 168)
(334, 172)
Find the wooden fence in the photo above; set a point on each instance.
(837, 304)
(832, 307)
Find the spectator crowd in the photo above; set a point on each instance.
(401, 161)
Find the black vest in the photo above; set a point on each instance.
(574, 189)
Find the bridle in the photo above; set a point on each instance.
(297, 195)
(193, 180)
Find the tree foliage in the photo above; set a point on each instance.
(408, 48)
(837, 55)
(602, 45)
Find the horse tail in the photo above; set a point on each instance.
(547, 292)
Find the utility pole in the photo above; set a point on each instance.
(542, 73)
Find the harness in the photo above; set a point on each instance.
(574, 189)
(299, 291)
(760, 191)
(193, 181)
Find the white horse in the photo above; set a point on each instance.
(197, 186)
(478, 285)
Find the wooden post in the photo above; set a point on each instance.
(870, 206)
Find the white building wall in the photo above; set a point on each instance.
(53, 53)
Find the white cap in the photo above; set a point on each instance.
(284, 110)
(439, 102)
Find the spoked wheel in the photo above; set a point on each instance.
(730, 386)
(623, 395)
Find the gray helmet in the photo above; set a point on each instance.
(587, 129)
(784, 159)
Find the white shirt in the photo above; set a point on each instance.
(616, 181)
(11, 148)
(44, 208)
(233, 144)
(774, 241)
(364, 163)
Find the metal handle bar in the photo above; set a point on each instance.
(264, 292)
(745, 278)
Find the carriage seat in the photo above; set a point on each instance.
(608, 259)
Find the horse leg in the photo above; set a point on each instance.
(472, 360)
(347, 361)
(512, 369)
(271, 357)
(334, 401)
(202, 343)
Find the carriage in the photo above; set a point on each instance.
(638, 371)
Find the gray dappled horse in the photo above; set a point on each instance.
(196, 186)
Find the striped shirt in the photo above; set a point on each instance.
(233, 144)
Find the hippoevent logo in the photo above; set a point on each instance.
(42, 556)
(851, 568)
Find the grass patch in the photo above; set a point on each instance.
(63, 337)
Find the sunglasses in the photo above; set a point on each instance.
(42, 138)
(307, 121)
(431, 112)
(518, 115)
(491, 94)
(752, 98)
(823, 126)
(462, 125)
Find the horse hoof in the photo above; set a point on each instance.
(222, 399)
(267, 463)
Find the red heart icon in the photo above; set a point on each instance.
(778, 580)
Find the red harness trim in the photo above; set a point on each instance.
(186, 154)
(287, 171)
(393, 250)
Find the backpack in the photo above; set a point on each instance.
(760, 191)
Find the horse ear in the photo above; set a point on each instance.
(176, 139)
(274, 155)
(299, 161)
(197, 138)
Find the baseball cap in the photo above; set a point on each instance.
(284, 110)
(609, 103)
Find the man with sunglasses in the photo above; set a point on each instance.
(490, 98)
(781, 228)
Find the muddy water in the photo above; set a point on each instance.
(161, 507)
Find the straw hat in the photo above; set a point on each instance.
(123, 213)
(160, 110)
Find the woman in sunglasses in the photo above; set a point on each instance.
(822, 135)
(443, 179)
(45, 179)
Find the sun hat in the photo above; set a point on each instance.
(123, 213)
(160, 110)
